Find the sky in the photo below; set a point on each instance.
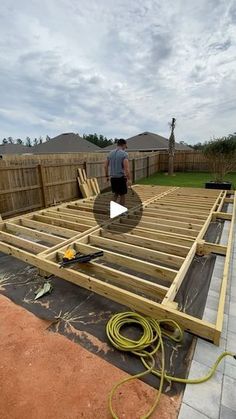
(118, 67)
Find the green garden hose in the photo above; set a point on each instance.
(145, 347)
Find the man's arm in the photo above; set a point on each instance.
(127, 170)
(106, 165)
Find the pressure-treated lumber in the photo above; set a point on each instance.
(182, 272)
(136, 251)
(222, 215)
(88, 187)
(85, 190)
(149, 243)
(213, 248)
(220, 312)
(156, 212)
(41, 226)
(133, 264)
(107, 273)
(28, 232)
(136, 302)
(162, 227)
(87, 221)
(168, 222)
(22, 243)
(177, 239)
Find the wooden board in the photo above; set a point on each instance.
(88, 186)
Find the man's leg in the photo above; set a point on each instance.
(115, 197)
(123, 190)
(122, 200)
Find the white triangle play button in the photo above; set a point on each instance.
(116, 209)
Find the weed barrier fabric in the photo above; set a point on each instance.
(214, 232)
(193, 291)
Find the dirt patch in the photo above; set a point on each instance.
(46, 376)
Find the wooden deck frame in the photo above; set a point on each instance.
(154, 256)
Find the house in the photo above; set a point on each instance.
(148, 141)
(65, 143)
(14, 149)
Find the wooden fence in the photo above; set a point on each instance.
(184, 161)
(30, 182)
(27, 188)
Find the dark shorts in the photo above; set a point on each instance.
(119, 185)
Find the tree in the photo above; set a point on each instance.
(10, 140)
(36, 141)
(47, 139)
(99, 140)
(171, 148)
(4, 141)
(19, 141)
(28, 142)
(186, 144)
(221, 156)
(198, 146)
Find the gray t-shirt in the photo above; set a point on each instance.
(116, 159)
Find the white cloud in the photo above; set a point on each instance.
(117, 67)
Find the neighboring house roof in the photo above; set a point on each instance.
(148, 141)
(14, 149)
(65, 143)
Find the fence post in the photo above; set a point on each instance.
(42, 185)
(133, 169)
(158, 162)
(85, 167)
(148, 168)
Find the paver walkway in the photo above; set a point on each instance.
(215, 399)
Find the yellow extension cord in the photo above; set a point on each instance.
(146, 347)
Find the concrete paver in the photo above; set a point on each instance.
(231, 346)
(187, 412)
(232, 309)
(230, 369)
(205, 353)
(204, 397)
(226, 413)
(232, 324)
(229, 393)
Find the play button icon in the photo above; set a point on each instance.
(109, 213)
(116, 209)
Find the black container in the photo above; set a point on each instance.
(218, 185)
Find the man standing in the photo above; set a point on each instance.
(118, 165)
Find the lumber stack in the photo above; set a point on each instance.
(88, 187)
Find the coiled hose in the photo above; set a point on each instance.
(145, 347)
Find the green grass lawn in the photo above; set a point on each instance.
(188, 179)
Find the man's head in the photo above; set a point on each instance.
(121, 143)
